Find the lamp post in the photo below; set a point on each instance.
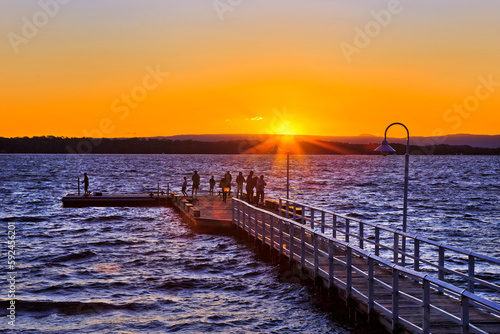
(385, 148)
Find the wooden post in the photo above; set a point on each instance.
(78, 186)
(291, 242)
(377, 240)
(271, 228)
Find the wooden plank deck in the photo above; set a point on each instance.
(207, 213)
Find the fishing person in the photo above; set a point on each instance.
(240, 179)
(86, 184)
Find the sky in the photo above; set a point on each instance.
(123, 68)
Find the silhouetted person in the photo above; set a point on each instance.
(184, 186)
(240, 179)
(196, 184)
(229, 177)
(250, 186)
(225, 185)
(86, 184)
(260, 184)
(212, 185)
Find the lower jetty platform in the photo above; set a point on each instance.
(403, 282)
(99, 199)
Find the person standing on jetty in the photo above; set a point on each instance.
(212, 185)
(226, 187)
(240, 179)
(250, 186)
(86, 184)
(260, 189)
(196, 184)
(229, 178)
(184, 186)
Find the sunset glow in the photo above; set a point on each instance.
(333, 68)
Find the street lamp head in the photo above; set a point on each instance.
(385, 148)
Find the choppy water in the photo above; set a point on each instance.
(143, 270)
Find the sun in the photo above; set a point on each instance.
(287, 128)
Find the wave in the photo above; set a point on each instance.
(84, 255)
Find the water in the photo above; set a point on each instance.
(143, 270)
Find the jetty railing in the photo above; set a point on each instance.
(357, 270)
(459, 267)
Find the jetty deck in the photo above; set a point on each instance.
(206, 212)
(115, 200)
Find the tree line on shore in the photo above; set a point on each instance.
(65, 145)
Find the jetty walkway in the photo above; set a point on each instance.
(404, 282)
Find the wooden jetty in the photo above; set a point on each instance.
(365, 264)
(118, 200)
(207, 213)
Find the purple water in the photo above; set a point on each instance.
(110, 270)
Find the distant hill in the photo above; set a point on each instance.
(483, 141)
(229, 145)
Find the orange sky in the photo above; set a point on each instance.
(149, 68)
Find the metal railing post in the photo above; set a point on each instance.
(395, 298)
(322, 221)
(464, 313)
(271, 235)
(316, 259)
(302, 247)
(361, 235)
(281, 236)
(312, 218)
(471, 274)
(395, 248)
(334, 226)
(416, 263)
(371, 286)
(347, 229)
(441, 263)
(331, 270)
(426, 306)
(348, 278)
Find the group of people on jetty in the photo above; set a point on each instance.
(225, 183)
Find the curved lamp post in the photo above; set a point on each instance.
(385, 148)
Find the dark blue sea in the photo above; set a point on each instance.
(144, 270)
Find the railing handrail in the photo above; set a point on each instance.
(400, 233)
(465, 297)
